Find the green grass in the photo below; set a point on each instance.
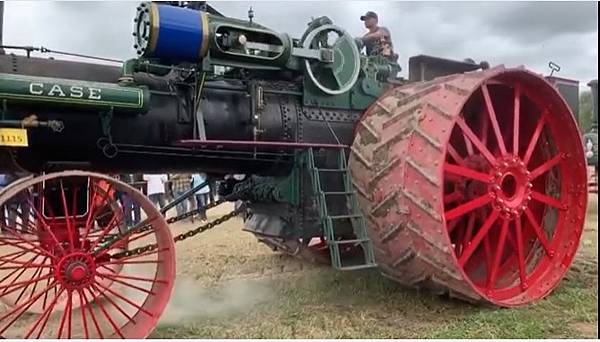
(329, 304)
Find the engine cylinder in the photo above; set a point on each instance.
(170, 33)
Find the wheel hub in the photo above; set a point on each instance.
(511, 187)
(76, 271)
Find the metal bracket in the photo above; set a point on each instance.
(322, 55)
(109, 149)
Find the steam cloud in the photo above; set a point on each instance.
(190, 302)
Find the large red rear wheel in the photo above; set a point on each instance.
(489, 185)
(63, 259)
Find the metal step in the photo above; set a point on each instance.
(341, 217)
(357, 219)
(332, 170)
(358, 267)
(347, 242)
(338, 193)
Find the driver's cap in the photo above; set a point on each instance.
(369, 14)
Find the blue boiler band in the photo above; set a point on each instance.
(178, 34)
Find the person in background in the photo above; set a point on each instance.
(155, 189)
(180, 183)
(17, 206)
(201, 194)
(131, 209)
(4, 181)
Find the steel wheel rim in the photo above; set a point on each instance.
(123, 307)
(516, 190)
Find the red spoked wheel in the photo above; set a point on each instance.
(22, 213)
(65, 259)
(489, 176)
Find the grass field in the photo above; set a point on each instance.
(231, 287)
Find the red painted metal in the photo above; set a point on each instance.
(256, 144)
(491, 187)
(50, 266)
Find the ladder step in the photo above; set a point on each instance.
(333, 193)
(340, 217)
(346, 242)
(357, 267)
(332, 170)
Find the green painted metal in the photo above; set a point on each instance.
(354, 214)
(73, 93)
(370, 85)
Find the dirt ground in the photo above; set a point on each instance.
(230, 286)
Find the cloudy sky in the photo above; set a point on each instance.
(510, 33)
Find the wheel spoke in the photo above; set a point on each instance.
(484, 126)
(455, 155)
(38, 250)
(540, 170)
(487, 250)
(108, 299)
(472, 245)
(520, 253)
(480, 146)
(516, 119)
(36, 283)
(20, 309)
(541, 235)
(106, 315)
(46, 227)
(15, 255)
(466, 172)
(63, 318)
(498, 256)
(116, 219)
(34, 258)
(453, 197)
(546, 199)
(468, 144)
(467, 207)
(125, 300)
(44, 317)
(534, 138)
(129, 285)
(469, 232)
(120, 276)
(493, 119)
(83, 319)
(35, 274)
(70, 229)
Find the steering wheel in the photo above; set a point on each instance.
(340, 75)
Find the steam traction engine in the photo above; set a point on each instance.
(466, 180)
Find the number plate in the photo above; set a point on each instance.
(16, 137)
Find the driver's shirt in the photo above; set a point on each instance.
(372, 44)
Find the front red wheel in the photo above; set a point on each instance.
(64, 257)
(508, 184)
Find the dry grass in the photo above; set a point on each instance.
(231, 287)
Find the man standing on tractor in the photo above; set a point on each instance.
(379, 39)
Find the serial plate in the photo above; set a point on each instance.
(16, 137)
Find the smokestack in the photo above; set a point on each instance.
(1, 25)
(594, 85)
